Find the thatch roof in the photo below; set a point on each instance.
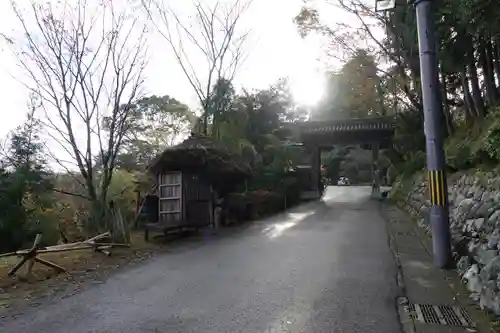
(202, 155)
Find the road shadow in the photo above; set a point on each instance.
(176, 243)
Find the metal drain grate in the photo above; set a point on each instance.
(440, 314)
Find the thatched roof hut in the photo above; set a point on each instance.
(202, 155)
(187, 175)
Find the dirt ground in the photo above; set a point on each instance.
(83, 267)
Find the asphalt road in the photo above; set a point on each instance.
(322, 267)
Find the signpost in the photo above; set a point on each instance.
(431, 98)
(383, 5)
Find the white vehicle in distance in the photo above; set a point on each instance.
(343, 181)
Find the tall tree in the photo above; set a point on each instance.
(156, 122)
(468, 44)
(85, 63)
(25, 186)
(355, 91)
(360, 86)
(365, 29)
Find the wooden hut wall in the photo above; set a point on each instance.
(197, 199)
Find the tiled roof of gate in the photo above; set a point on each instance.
(367, 124)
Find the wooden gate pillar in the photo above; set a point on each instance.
(316, 170)
(375, 170)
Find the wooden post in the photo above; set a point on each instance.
(316, 165)
(50, 264)
(30, 254)
(375, 170)
(138, 204)
(29, 267)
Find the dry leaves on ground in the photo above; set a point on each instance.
(82, 267)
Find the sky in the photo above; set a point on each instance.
(275, 50)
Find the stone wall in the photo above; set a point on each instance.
(475, 228)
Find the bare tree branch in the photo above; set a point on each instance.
(346, 38)
(214, 36)
(70, 193)
(86, 64)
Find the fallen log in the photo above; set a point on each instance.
(69, 246)
(8, 254)
(113, 244)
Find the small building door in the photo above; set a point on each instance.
(170, 198)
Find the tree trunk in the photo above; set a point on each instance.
(394, 97)
(490, 59)
(496, 60)
(446, 108)
(380, 99)
(470, 112)
(415, 84)
(96, 217)
(205, 116)
(485, 59)
(476, 90)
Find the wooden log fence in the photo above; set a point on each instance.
(31, 255)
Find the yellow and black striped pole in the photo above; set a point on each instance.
(438, 192)
(438, 214)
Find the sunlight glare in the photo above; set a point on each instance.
(307, 87)
(277, 229)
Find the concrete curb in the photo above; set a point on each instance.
(452, 280)
(407, 324)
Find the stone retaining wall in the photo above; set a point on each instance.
(475, 228)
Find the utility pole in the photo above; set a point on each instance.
(431, 98)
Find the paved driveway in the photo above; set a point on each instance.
(322, 267)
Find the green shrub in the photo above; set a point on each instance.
(122, 192)
(266, 202)
(42, 219)
(492, 141)
(476, 146)
(470, 147)
(23, 214)
(459, 154)
(254, 204)
(239, 208)
(414, 163)
(401, 187)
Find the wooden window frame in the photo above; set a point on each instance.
(176, 198)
